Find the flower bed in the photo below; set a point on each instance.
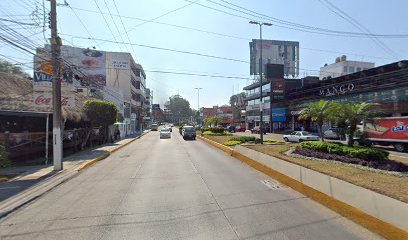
(231, 143)
(209, 133)
(353, 155)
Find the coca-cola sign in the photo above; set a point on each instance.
(44, 99)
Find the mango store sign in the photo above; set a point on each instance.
(44, 99)
(336, 90)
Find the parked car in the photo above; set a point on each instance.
(169, 128)
(257, 130)
(229, 129)
(189, 132)
(300, 136)
(165, 133)
(239, 129)
(331, 133)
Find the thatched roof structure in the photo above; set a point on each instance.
(16, 93)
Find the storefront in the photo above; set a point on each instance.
(386, 85)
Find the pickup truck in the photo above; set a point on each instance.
(388, 131)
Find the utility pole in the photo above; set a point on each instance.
(198, 104)
(152, 107)
(56, 88)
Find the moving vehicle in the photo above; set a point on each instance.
(188, 132)
(300, 136)
(165, 133)
(388, 131)
(154, 127)
(169, 128)
(331, 133)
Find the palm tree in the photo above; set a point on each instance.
(319, 112)
(353, 114)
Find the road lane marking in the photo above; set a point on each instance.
(273, 185)
(9, 187)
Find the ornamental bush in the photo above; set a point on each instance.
(366, 153)
(4, 160)
(231, 143)
(217, 129)
(209, 133)
(243, 139)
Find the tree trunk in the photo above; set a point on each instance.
(350, 141)
(319, 129)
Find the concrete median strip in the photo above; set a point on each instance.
(378, 213)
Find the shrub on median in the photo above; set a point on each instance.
(4, 160)
(209, 133)
(366, 153)
(231, 143)
(243, 139)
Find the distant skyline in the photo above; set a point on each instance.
(169, 38)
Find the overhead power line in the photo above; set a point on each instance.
(249, 15)
(166, 49)
(198, 75)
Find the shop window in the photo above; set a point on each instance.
(345, 69)
(351, 69)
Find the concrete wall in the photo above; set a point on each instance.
(377, 205)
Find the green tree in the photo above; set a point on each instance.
(214, 120)
(101, 114)
(352, 114)
(319, 112)
(179, 108)
(8, 67)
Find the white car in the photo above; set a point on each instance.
(300, 136)
(331, 133)
(165, 133)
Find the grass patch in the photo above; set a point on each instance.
(273, 141)
(219, 139)
(209, 133)
(231, 143)
(393, 186)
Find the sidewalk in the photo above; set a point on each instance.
(32, 181)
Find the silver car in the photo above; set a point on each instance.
(165, 133)
(331, 133)
(300, 136)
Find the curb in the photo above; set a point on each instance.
(105, 155)
(358, 216)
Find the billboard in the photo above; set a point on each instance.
(89, 63)
(42, 81)
(278, 115)
(277, 52)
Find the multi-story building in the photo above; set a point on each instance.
(109, 76)
(252, 101)
(148, 108)
(342, 66)
(124, 73)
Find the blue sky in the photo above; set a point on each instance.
(380, 17)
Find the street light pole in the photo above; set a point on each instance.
(260, 80)
(198, 104)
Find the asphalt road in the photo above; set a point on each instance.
(175, 189)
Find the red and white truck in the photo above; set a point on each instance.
(388, 131)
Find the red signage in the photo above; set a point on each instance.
(388, 128)
(42, 100)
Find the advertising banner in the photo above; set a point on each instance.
(278, 115)
(44, 99)
(91, 64)
(388, 128)
(274, 51)
(119, 60)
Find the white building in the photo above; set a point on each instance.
(342, 66)
(125, 74)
